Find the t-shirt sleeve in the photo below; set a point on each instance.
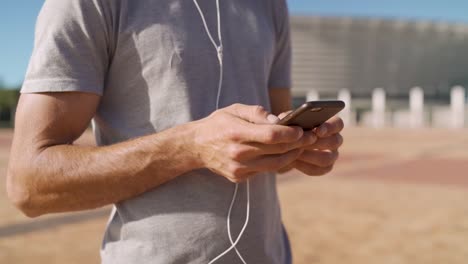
(280, 74)
(70, 49)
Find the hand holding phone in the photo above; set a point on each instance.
(312, 114)
(318, 158)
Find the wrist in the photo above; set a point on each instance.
(174, 150)
(187, 144)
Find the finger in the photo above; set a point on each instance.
(241, 178)
(327, 143)
(284, 114)
(311, 170)
(234, 171)
(257, 149)
(331, 126)
(252, 113)
(274, 162)
(287, 168)
(319, 158)
(265, 134)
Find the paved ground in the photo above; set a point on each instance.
(396, 196)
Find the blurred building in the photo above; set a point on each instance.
(361, 54)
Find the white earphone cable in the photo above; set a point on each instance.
(206, 25)
(218, 48)
(219, 53)
(229, 220)
(233, 244)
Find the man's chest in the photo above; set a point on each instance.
(170, 35)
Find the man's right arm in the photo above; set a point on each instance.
(48, 174)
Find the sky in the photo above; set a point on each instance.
(17, 19)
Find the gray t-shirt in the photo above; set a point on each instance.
(155, 67)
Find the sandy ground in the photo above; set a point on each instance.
(396, 196)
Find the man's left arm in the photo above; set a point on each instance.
(318, 158)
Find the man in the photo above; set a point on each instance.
(146, 73)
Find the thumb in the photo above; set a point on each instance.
(253, 113)
(284, 114)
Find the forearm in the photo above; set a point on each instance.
(69, 178)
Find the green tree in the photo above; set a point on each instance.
(8, 98)
(8, 101)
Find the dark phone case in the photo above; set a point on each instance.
(307, 119)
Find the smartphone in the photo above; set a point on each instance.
(312, 114)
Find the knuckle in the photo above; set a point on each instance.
(334, 142)
(216, 113)
(259, 110)
(340, 124)
(223, 111)
(235, 106)
(236, 152)
(233, 178)
(272, 136)
(297, 132)
(220, 116)
(340, 140)
(236, 179)
(257, 113)
(233, 134)
(236, 170)
(269, 136)
(337, 122)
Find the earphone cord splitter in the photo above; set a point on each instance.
(219, 53)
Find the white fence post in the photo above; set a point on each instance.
(345, 96)
(312, 95)
(416, 107)
(457, 106)
(378, 108)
